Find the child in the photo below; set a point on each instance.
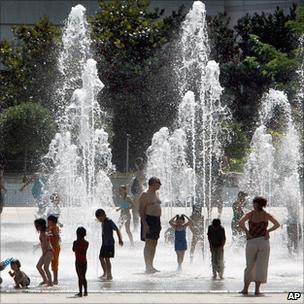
(217, 239)
(54, 208)
(54, 237)
(179, 225)
(107, 247)
(125, 204)
(47, 252)
(80, 247)
(20, 278)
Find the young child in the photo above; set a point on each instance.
(179, 224)
(125, 204)
(107, 247)
(80, 247)
(20, 278)
(54, 237)
(217, 239)
(47, 252)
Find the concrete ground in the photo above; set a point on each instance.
(142, 298)
(131, 285)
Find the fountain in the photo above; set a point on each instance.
(187, 159)
(272, 167)
(201, 119)
(79, 154)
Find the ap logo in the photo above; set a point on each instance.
(294, 295)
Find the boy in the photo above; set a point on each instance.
(107, 247)
(54, 237)
(217, 239)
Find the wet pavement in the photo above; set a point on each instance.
(18, 237)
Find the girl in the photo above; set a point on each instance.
(179, 225)
(125, 204)
(47, 252)
(80, 247)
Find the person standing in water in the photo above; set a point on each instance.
(150, 213)
(257, 247)
(38, 180)
(125, 204)
(238, 212)
(179, 224)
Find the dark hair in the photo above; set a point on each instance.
(40, 224)
(16, 262)
(260, 201)
(52, 218)
(81, 232)
(216, 222)
(242, 193)
(180, 217)
(99, 212)
(153, 180)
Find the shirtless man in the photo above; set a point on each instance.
(150, 212)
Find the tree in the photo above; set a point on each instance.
(29, 65)
(270, 28)
(26, 131)
(133, 54)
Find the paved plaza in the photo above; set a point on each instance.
(142, 298)
(131, 284)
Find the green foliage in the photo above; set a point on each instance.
(271, 62)
(29, 64)
(297, 25)
(238, 146)
(133, 51)
(270, 28)
(26, 129)
(222, 39)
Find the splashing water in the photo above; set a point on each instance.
(201, 116)
(79, 154)
(272, 168)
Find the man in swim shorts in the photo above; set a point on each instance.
(150, 212)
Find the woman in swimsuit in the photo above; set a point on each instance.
(125, 205)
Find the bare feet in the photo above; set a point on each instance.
(102, 277)
(79, 294)
(151, 271)
(55, 282)
(43, 283)
(243, 292)
(85, 293)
